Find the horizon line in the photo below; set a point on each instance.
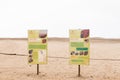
(54, 37)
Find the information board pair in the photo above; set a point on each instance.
(79, 46)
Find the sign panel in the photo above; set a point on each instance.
(79, 46)
(37, 46)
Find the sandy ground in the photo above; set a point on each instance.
(13, 67)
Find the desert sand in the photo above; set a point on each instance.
(104, 61)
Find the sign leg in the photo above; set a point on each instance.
(37, 69)
(79, 71)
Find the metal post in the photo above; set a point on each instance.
(79, 71)
(37, 69)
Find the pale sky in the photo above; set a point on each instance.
(102, 17)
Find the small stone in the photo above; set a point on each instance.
(91, 76)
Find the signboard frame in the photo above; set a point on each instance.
(37, 47)
(79, 46)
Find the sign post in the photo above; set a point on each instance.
(37, 69)
(37, 47)
(79, 71)
(79, 47)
